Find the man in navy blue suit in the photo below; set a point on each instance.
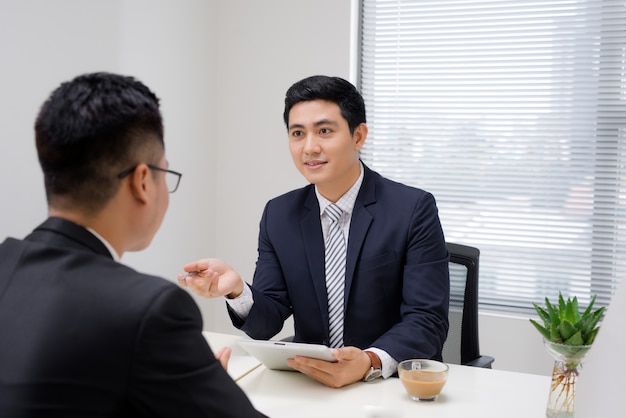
(396, 283)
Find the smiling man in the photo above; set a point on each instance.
(360, 261)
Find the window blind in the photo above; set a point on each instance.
(513, 114)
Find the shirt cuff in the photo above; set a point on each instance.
(389, 365)
(242, 304)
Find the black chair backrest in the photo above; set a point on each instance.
(462, 345)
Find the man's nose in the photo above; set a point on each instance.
(311, 144)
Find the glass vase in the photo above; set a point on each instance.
(568, 361)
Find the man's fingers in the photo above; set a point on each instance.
(199, 265)
(182, 279)
(224, 356)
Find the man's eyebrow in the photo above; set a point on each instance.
(296, 126)
(325, 122)
(320, 122)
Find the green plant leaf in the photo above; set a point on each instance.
(576, 339)
(568, 312)
(543, 315)
(562, 306)
(592, 336)
(554, 313)
(575, 310)
(589, 323)
(588, 310)
(544, 331)
(564, 324)
(555, 335)
(566, 329)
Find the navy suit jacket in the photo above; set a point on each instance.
(397, 281)
(84, 336)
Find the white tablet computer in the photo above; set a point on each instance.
(274, 354)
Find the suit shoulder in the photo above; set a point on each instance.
(300, 193)
(387, 186)
(293, 198)
(127, 277)
(90, 272)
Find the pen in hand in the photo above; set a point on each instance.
(183, 277)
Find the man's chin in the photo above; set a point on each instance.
(314, 176)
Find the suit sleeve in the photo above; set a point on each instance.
(174, 371)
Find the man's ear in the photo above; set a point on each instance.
(360, 133)
(139, 183)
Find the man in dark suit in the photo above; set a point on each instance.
(82, 335)
(395, 282)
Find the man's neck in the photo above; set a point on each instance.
(334, 192)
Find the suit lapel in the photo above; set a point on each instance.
(359, 226)
(311, 229)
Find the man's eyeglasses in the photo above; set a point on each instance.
(172, 178)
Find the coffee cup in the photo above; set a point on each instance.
(423, 379)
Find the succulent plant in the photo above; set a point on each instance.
(564, 324)
(568, 336)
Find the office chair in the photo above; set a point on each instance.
(461, 346)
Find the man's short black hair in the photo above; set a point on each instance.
(332, 89)
(90, 129)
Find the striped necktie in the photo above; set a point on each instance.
(335, 275)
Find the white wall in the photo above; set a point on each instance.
(221, 68)
(167, 46)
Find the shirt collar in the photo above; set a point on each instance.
(114, 254)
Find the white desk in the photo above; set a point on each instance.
(469, 392)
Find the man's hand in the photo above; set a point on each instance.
(224, 356)
(211, 278)
(352, 365)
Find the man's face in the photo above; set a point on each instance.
(322, 147)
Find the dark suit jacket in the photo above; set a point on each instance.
(397, 281)
(84, 336)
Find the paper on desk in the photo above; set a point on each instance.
(239, 366)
